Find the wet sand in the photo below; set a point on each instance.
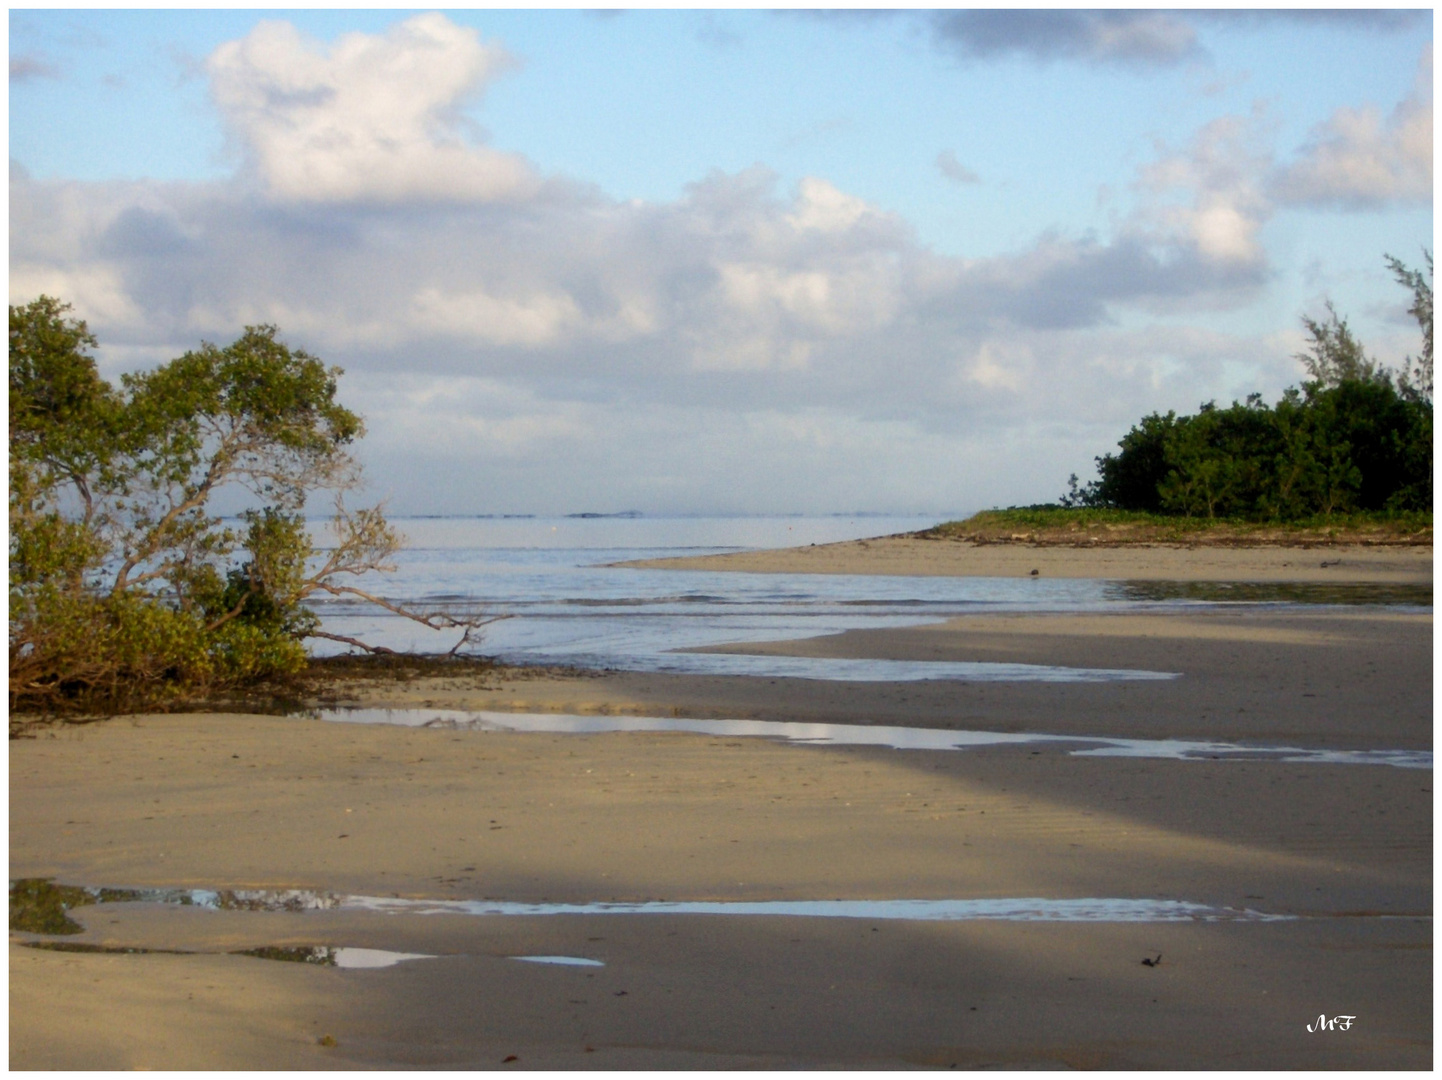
(266, 802)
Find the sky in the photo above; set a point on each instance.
(729, 261)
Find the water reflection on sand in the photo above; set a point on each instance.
(301, 901)
(897, 738)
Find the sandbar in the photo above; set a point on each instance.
(913, 556)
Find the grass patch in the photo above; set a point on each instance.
(1087, 526)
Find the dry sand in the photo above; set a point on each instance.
(1132, 562)
(249, 801)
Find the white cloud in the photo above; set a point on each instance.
(1223, 230)
(372, 117)
(738, 347)
(1218, 179)
(996, 366)
(1357, 159)
(95, 289)
(735, 295)
(481, 318)
(822, 207)
(821, 301)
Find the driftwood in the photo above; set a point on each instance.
(443, 619)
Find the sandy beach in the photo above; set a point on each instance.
(1335, 563)
(1340, 855)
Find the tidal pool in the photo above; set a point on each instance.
(898, 738)
(40, 906)
(301, 901)
(1026, 909)
(337, 956)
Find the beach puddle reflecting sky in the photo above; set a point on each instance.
(84, 947)
(40, 906)
(1026, 909)
(564, 961)
(897, 738)
(850, 670)
(337, 956)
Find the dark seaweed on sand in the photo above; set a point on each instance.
(39, 906)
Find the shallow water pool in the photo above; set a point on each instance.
(897, 738)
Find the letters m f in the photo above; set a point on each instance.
(1342, 1023)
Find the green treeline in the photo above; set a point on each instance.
(1354, 437)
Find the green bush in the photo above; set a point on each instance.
(126, 590)
(1355, 446)
(1355, 437)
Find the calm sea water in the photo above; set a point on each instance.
(566, 605)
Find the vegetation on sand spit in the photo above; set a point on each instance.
(1345, 457)
(1354, 437)
(1087, 526)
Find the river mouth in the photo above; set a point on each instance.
(897, 738)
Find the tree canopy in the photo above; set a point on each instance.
(1416, 376)
(1355, 436)
(126, 587)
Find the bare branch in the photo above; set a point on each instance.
(352, 641)
(435, 620)
(155, 535)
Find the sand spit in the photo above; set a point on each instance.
(906, 555)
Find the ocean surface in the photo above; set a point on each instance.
(564, 604)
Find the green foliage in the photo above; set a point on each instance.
(1359, 445)
(1333, 356)
(1130, 479)
(125, 588)
(1416, 378)
(1047, 516)
(1354, 438)
(1053, 524)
